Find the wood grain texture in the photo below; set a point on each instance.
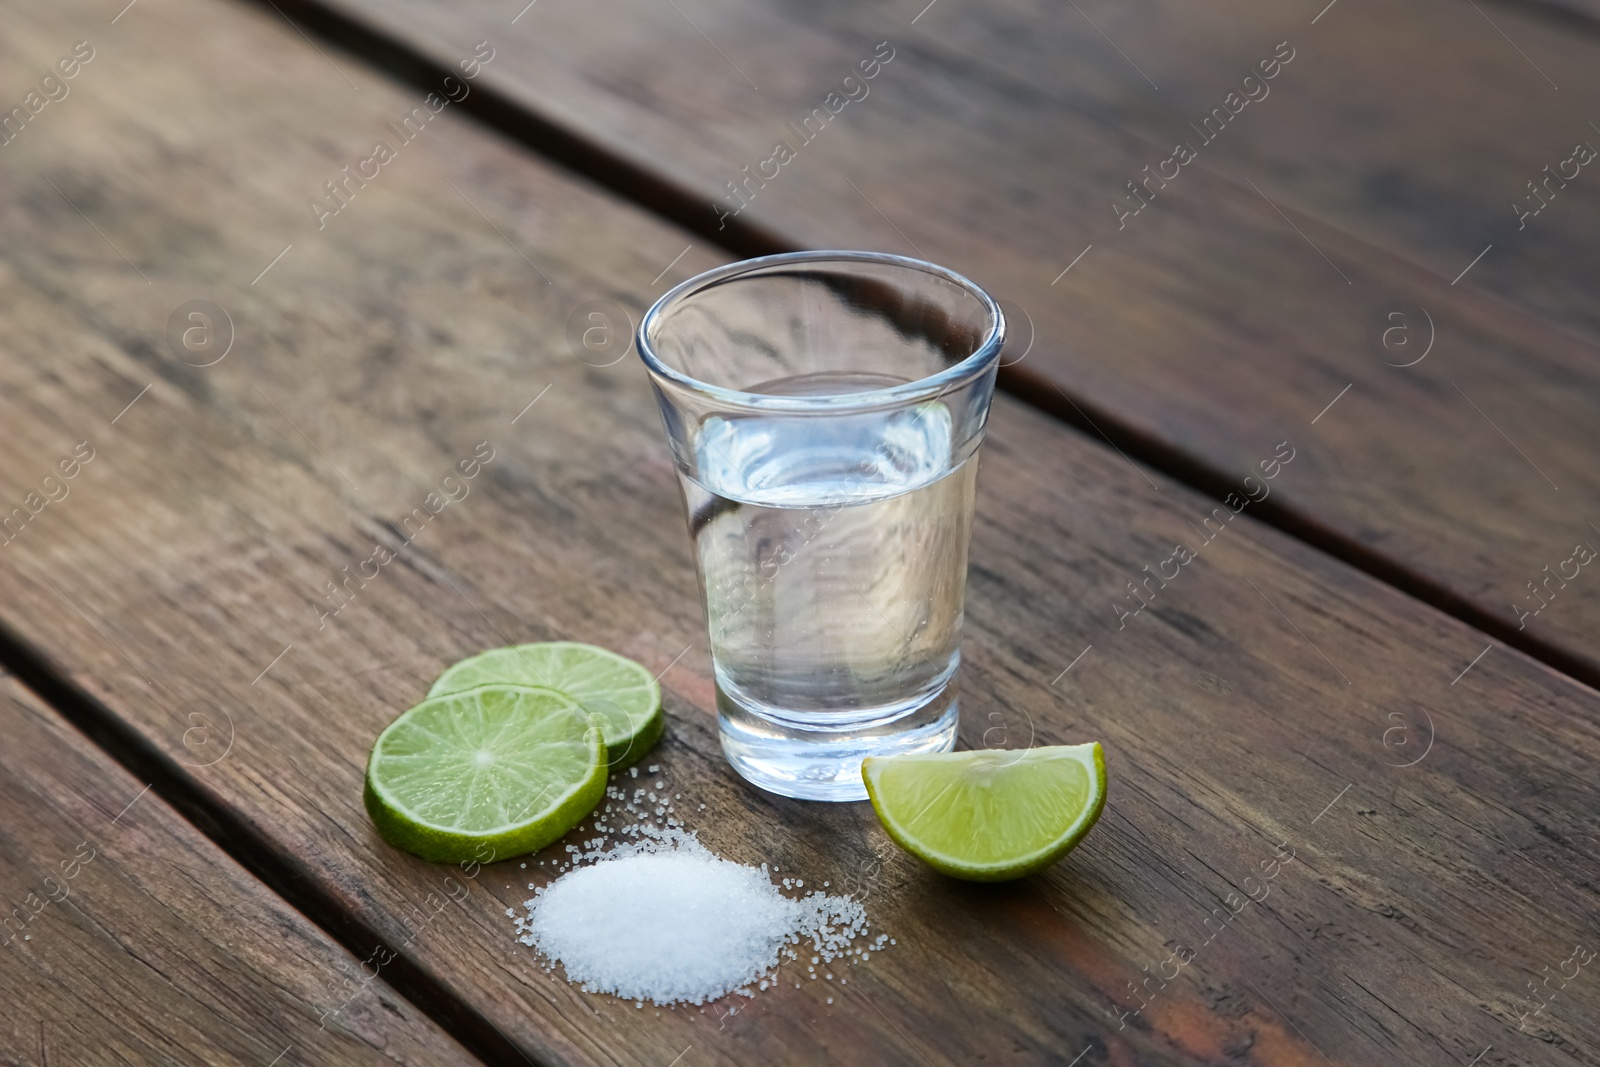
(1246, 296)
(1577, 17)
(192, 557)
(130, 938)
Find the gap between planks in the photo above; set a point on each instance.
(582, 156)
(585, 157)
(578, 154)
(256, 853)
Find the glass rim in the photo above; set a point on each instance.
(932, 386)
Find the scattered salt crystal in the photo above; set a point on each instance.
(830, 1000)
(654, 767)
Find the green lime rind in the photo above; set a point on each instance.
(989, 816)
(630, 749)
(620, 692)
(487, 774)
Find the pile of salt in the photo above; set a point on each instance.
(660, 917)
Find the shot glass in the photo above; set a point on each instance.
(824, 411)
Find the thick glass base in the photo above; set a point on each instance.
(821, 763)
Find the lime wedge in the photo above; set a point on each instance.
(619, 691)
(989, 816)
(494, 772)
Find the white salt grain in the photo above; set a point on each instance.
(654, 915)
(669, 926)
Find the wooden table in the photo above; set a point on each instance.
(1385, 669)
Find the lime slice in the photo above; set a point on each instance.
(989, 816)
(621, 692)
(494, 772)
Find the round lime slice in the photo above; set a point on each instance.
(497, 771)
(619, 691)
(989, 816)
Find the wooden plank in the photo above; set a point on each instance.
(1251, 293)
(1418, 151)
(1579, 17)
(130, 938)
(192, 556)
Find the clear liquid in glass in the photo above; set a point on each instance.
(833, 555)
